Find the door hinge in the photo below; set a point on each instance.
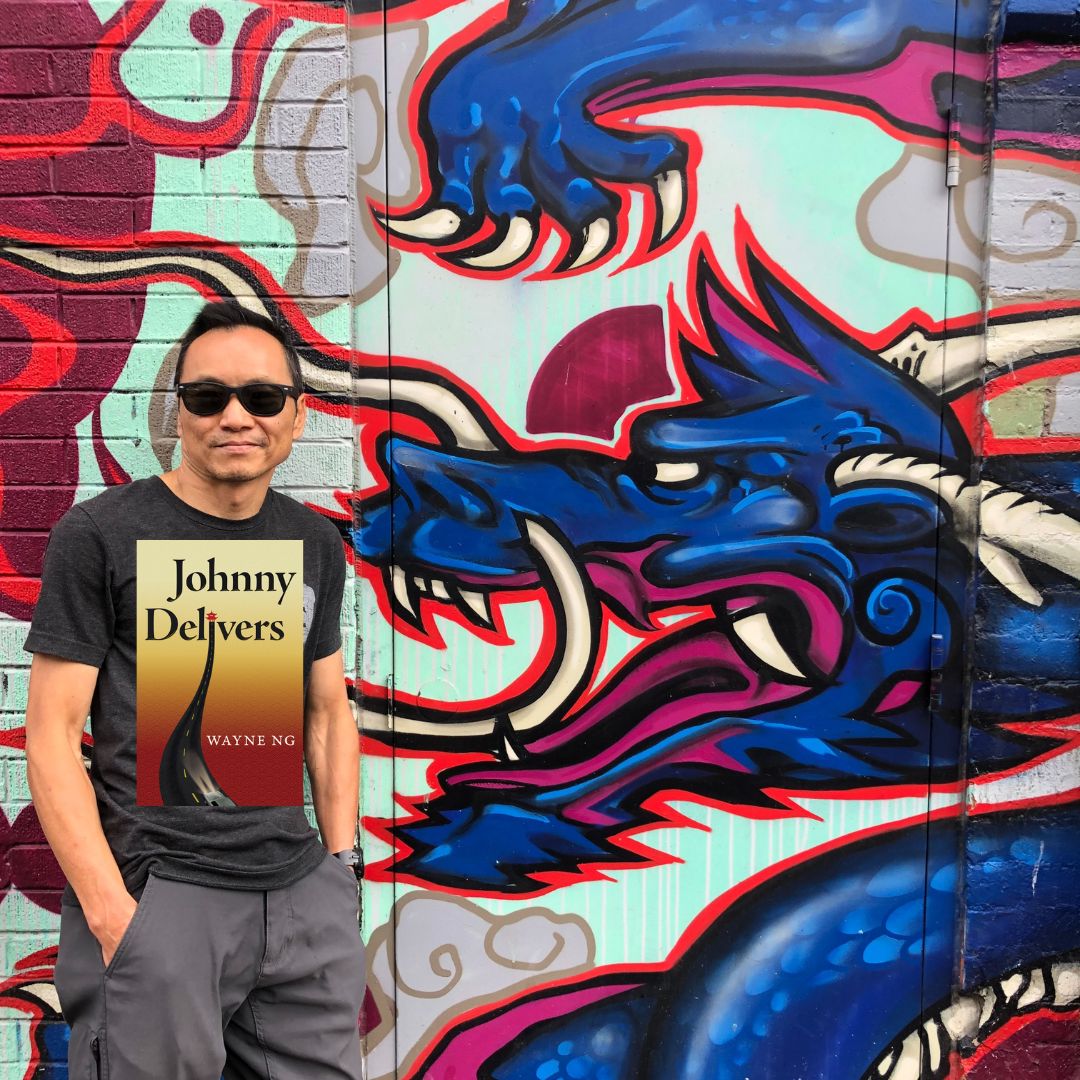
(952, 147)
(937, 670)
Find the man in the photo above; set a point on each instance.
(217, 936)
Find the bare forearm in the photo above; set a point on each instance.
(67, 809)
(332, 751)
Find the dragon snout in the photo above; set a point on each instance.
(450, 513)
(432, 481)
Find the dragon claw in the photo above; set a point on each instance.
(438, 226)
(670, 192)
(510, 244)
(592, 244)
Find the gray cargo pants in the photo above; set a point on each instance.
(207, 982)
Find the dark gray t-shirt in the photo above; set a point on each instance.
(87, 612)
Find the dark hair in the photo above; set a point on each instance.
(227, 316)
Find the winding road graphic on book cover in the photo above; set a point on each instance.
(220, 672)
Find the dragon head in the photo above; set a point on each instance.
(786, 582)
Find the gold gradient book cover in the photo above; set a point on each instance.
(219, 662)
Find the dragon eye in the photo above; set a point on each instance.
(676, 472)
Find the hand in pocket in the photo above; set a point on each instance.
(110, 934)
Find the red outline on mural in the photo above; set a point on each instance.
(702, 922)
(340, 16)
(35, 967)
(110, 103)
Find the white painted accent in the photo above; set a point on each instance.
(1054, 775)
(933, 1042)
(456, 412)
(961, 1018)
(1006, 570)
(515, 245)
(1011, 985)
(676, 472)
(950, 364)
(597, 236)
(45, 991)
(570, 599)
(579, 647)
(983, 514)
(401, 590)
(1066, 983)
(477, 602)
(909, 1063)
(1035, 991)
(439, 589)
(320, 380)
(508, 750)
(756, 633)
(670, 189)
(435, 225)
(439, 401)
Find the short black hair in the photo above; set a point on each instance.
(227, 316)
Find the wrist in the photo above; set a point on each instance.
(105, 907)
(353, 858)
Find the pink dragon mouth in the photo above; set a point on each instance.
(741, 644)
(755, 641)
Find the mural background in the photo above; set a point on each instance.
(156, 152)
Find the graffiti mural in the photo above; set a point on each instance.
(711, 625)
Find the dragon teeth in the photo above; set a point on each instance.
(1066, 984)
(477, 603)
(971, 1018)
(757, 634)
(1035, 992)
(509, 752)
(402, 597)
(908, 1064)
(406, 590)
(961, 1018)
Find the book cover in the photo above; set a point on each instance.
(219, 683)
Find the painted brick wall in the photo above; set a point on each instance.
(1033, 262)
(148, 132)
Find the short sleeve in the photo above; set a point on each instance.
(74, 616)
(327, 628)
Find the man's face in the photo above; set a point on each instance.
(233, 446)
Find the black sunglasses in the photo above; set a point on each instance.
(259, 399)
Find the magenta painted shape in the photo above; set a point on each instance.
(599, 370)
(467, 1051)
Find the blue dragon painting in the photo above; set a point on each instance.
(810, 520)
(840, 967)
(524, 121)
(813, 505)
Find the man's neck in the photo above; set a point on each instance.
(231, 501)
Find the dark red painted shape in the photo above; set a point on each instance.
(600, 369)
(1048, 1047)
(34, 870)
(207, 26)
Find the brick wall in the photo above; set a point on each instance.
(177, 151)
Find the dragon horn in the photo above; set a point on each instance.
(993, 522)
(428, 399)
